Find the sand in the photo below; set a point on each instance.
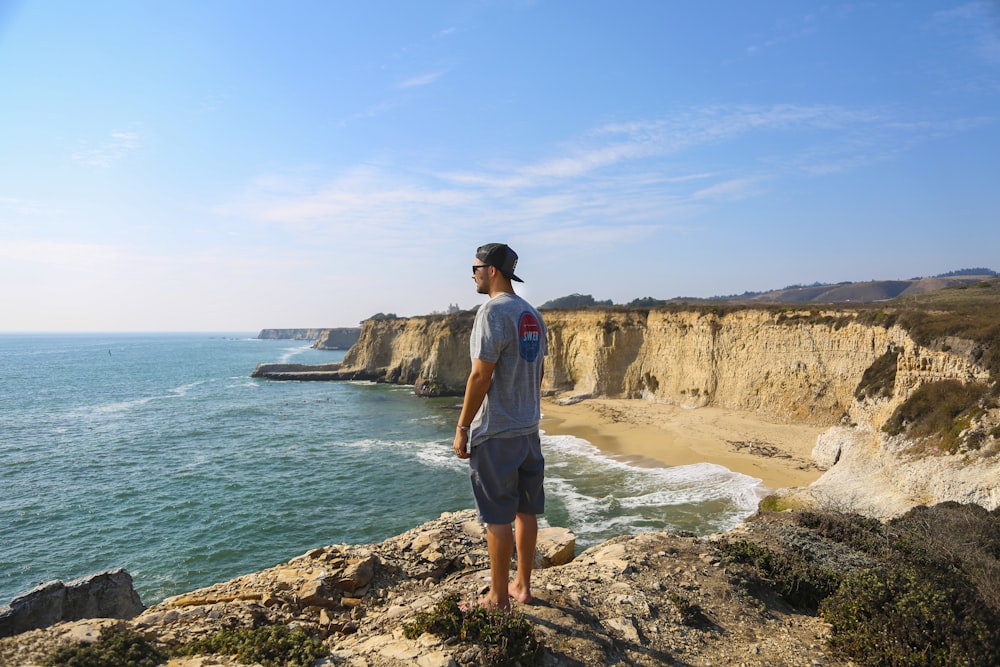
(657, 434)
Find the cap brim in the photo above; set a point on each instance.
(515, 278)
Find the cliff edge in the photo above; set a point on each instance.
(850, 370)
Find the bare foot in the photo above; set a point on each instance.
(522, 595)
(488, 601)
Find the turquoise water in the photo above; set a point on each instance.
(158, 453)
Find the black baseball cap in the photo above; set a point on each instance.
(501, 256)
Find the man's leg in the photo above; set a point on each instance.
(526, 532)
(500, 543)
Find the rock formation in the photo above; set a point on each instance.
(341, 338)
(105, 595)
(790, 365)
(290, 334)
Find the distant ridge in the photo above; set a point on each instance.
(864, 292)
(845, 292)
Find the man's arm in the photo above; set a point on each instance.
(476, 387)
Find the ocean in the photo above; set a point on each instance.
(159, 454)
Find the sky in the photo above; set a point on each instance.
(217, 165)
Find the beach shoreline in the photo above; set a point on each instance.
(663, 435)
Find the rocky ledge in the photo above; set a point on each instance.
(649, 599)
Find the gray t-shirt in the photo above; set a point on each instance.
(510, 333)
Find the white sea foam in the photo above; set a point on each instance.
(182, 390)
(604, 494)
(290, 352)
(118, 406)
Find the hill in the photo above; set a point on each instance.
(873, 291)
(865, 292)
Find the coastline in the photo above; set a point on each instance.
(662, 435)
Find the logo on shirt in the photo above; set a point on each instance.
(529, 336)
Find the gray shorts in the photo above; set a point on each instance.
(507, 476)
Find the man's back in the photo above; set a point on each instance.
(510, 333)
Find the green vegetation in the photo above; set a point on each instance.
(645, 302)
(797, 579)
(506, 638)
(938, 412)
(271, 646)
(691, 613)
(122, 648)
(575, 301)
(880, 378)
(922, 589)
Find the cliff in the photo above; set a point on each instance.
(289, 334)
(788, 365)
(337, 339)
(340, 338)
(791, 366)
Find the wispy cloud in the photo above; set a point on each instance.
(783, 32)
(617, 181)
(420, 80)
(107, 152)
(978, 23)
(20, 206)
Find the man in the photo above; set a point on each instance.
(498, 427)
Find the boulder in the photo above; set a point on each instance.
(103, 595)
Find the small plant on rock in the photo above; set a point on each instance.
(270, 646)
(508, 637)
(122, 648)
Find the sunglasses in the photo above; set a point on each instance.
(478, 266)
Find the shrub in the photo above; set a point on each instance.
(904, 615)
(792, 574)
(879, 379)
(922, 589)
(954, 537)
(508, 636)
(122, 648)
(937, 411)
(271, 646)
(859, 532)
(691, 614)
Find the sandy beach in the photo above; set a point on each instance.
(657, 434)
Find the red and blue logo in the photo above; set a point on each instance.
(529, 336)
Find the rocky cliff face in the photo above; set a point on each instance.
(340, 338)
(800, 367)
(431, 353)
(793, 366)
(337, 339)
(289, 334)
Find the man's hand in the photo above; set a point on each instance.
(461, 443)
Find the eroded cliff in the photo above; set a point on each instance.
(844, 369)
(793, 366)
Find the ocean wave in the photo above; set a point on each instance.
(605, 494)
(289, 352)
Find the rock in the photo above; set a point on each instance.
(357, 574)
(104, 595)
(831, 444)
(314, 594)
(556, 546)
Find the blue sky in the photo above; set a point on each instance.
(212, 165)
